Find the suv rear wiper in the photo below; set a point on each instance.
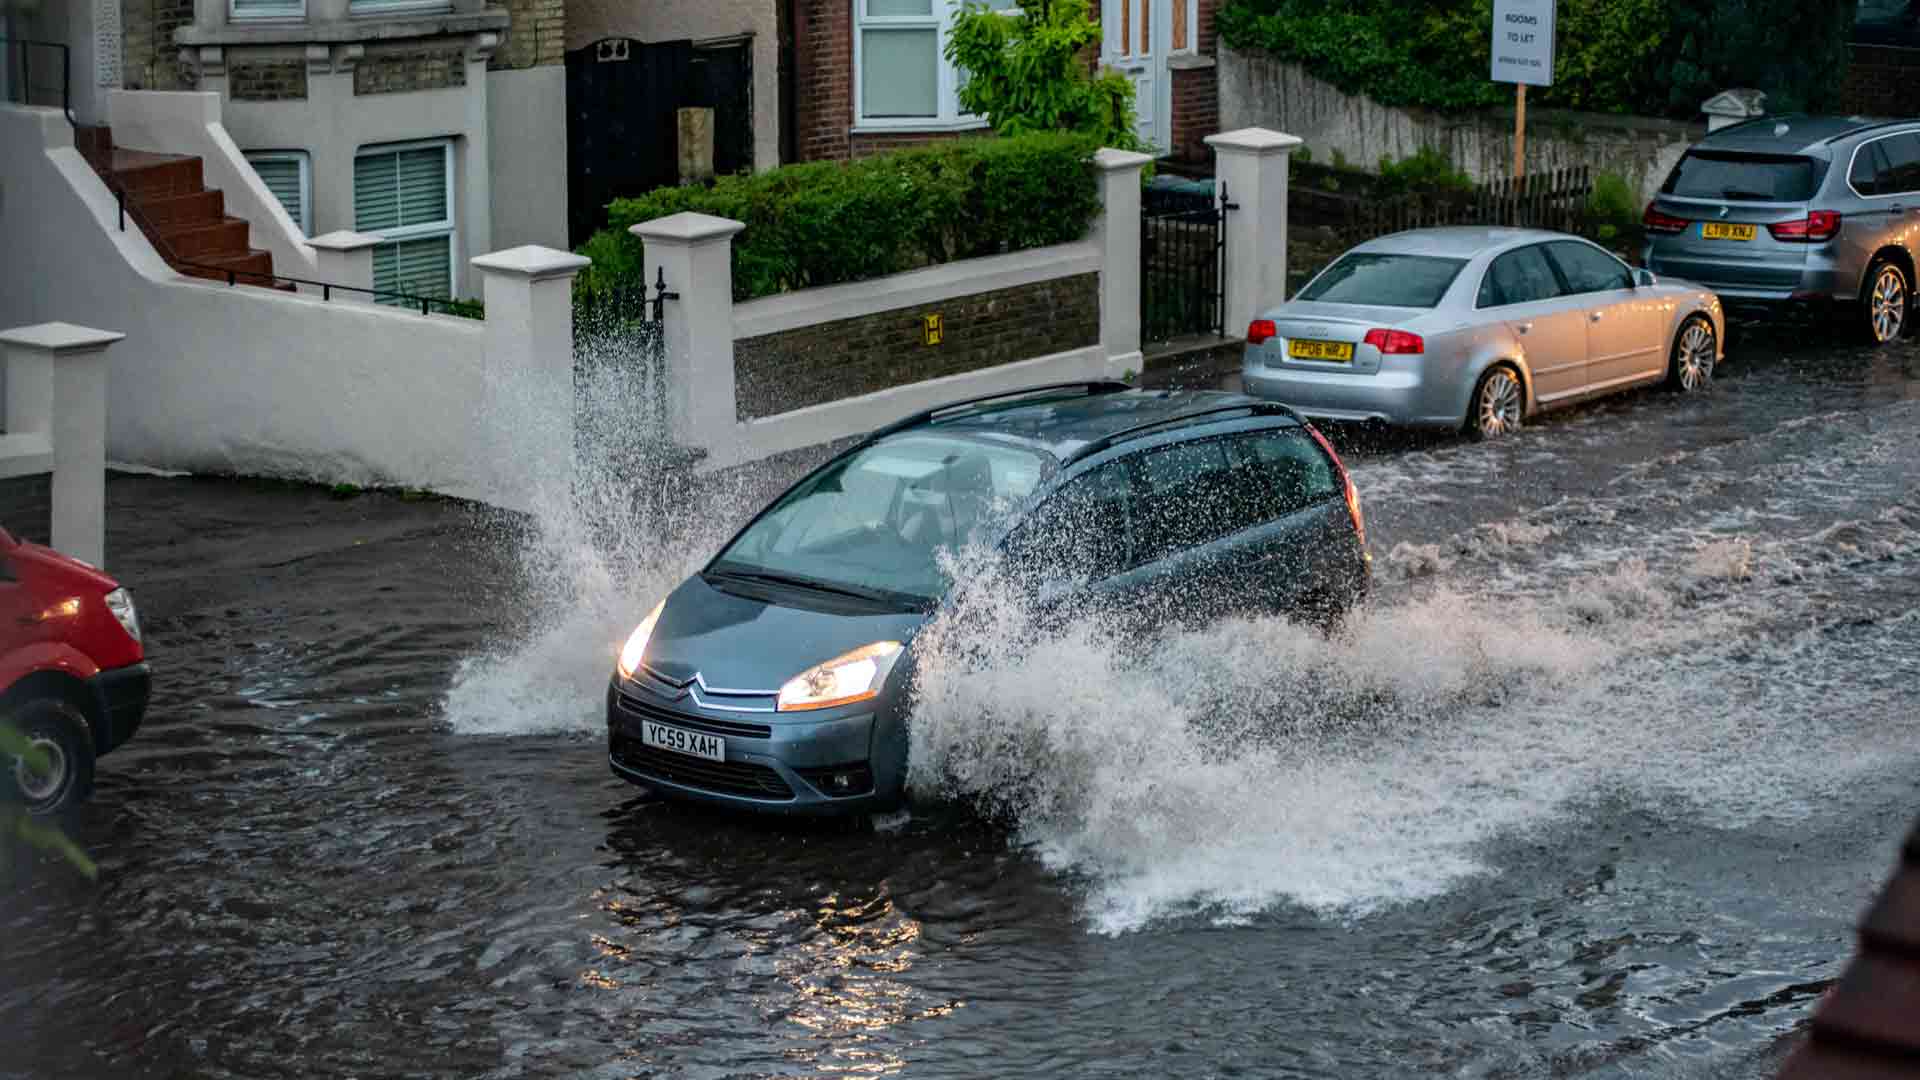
(857, 592)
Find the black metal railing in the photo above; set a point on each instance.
(28, 83)
(1182, 261)
(52, 83)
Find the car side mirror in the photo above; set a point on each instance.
(1644, 278)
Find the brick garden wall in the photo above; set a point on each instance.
(1882, 82)
(811, 365)
(26, 507)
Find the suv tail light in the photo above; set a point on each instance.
(1817, 226)
(1346, 481)
(1260, 330)
(1656, 222)
(1395, 342)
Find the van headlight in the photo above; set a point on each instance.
(843, 680)
(636, 647)
(120, 602)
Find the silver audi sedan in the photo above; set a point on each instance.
(1478, 328)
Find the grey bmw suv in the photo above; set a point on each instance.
(780, 676)
(1791, 209)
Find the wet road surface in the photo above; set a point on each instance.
(1597, 788)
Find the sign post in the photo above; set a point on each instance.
(1522, 55)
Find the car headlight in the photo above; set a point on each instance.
(120, 602)
(856, 676)
(636, 646)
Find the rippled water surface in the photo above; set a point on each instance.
(1597, 786)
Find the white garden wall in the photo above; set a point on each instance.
(248, 380)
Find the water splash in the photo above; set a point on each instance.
(596, 552)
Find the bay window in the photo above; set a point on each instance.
(902, 79)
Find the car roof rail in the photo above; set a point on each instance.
(1862, 129)
(1089, 388)
(1107, 442)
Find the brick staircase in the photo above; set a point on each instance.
(185, 220)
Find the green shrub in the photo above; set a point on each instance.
(1660, 57)
(824, 223)
(1027, 72)
(1613, 201)
(1427, 170)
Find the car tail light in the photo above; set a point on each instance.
(1656, 222)
(1817, 226)
(1260, 330)
(1396, 342)
(1346, 481)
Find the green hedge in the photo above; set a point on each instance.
(824, 223)
(1650, 57)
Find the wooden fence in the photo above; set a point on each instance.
(1549, 200)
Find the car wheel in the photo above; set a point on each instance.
(1499, 404)
(65, 780)
(1694, 352)
(1888, 302)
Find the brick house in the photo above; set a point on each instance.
(429, 123)
(870, 75)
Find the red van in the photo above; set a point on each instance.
(73, 673)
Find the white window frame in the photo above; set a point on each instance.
(378, 8)
(447, 227)
(949, 117)
(305, 221)
(285, 9)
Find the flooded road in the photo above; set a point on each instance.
(1597, 787)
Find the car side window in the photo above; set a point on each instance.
(1519, 277)
(1589, 270)
(1285, 471)
(1186, 495)
(1868, 164)
(1900, 174)
(1084, 531)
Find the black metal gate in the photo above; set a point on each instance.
(1182, 262)
(622, 129)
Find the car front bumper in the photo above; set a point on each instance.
(788, 770)
(120, 696)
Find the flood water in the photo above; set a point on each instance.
(1597, 786)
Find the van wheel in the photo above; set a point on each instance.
(64, 779)
(1694, 351)
(1888, 300)
(1499, 404)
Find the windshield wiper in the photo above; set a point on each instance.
(857, 592)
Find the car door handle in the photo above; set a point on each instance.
(1523, 327)
(1595, 316)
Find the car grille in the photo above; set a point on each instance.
(633, 706)
(725, 777)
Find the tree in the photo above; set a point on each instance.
(1029, 71)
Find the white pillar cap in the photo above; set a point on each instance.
(1253, 140)
(345, 240)
(59, 337)
(686, 227)
(1107, 159)
(533, 262)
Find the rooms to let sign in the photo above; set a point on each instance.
(1523, 41)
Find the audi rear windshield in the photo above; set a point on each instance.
(1736, 177)
(1385, 279)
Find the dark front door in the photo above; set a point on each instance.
(621, 100)
(623, 97)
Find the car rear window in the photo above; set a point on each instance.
(1714, 174)
(1384, 278)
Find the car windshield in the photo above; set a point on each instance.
(1743, 177)
(1384, 278)
(872, 523)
